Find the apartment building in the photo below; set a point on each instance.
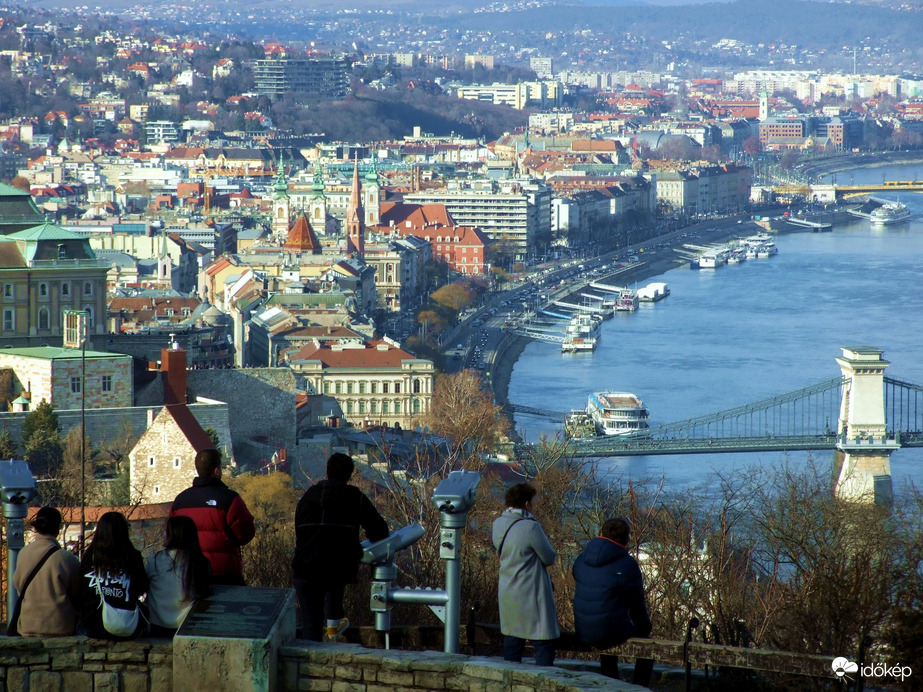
(321, 78)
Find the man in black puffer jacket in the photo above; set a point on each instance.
(609, 602)
(327, 550)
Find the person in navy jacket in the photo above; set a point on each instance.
(221, 517)
(609, 601)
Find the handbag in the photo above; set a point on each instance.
(12, 627)
(118, 621)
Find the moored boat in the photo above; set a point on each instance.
(892, 212)
(617, 413)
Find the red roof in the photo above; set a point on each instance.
(301, 237)
(190, 427)
(367, 357)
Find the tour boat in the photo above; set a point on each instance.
(617, 413)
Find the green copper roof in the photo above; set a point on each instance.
(45, 231)
(10, 191)
(57, 353)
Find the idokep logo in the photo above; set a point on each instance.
(842, 667)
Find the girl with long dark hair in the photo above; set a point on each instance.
(179, 574)
(112, 572)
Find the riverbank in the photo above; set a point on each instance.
(818, 168)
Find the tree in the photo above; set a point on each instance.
(463, 410)
(20, 182)
(751, 145)
(42, 440)
(271, 500)
(7, 446)
(454, 296)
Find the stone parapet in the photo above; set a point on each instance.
(335, 667)
(61, 664)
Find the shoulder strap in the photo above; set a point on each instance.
(36, 569)
(505, 534)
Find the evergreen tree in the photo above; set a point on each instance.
(42, 440)
(7, 446)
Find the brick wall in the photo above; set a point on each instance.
(173, 462)
(62, 664)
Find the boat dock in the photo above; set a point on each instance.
(815, 226)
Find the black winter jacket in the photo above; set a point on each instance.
(327, 522)
(609, 602)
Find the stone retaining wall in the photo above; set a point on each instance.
(352, 668)
(78, 664)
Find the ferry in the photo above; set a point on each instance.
(892, 212)
(581, 333)
(617, 413)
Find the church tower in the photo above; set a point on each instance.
(317, 207)
(371, 197)
(764, 106)
(281, 204)
(164, 263)
(355, 227)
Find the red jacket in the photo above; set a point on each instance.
(223, 520)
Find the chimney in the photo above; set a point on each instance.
(173, 374)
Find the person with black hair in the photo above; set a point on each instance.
(609, 602)
(221, 517)
(527, 610)
(113, 572)
(327, 551)
(50, 605)
(179, 574)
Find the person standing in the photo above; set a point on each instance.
(180, 574)
(50, 605)
(113, 572)
(223, 521)
(527, 610)
(327, 550)
(609, 601)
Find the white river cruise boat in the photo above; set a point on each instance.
(581, 333)
(617, 413)
(892, 212)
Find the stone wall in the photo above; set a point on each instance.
(352, 668)
(78, 664)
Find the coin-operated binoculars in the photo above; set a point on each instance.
(17, 488)
(453, 497)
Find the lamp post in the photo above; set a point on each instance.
(76, 325)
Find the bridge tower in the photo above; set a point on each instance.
(863, 453)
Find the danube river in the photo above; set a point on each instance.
(746, 332)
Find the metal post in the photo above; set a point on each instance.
(450, 550)
(15, 515)
(83, 431)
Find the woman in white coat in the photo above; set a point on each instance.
(527, 610)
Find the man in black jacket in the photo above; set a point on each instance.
(327, 551)
(609, 602)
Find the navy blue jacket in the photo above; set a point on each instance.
(609, 603)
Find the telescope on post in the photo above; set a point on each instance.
(453, 498)
(17, 488)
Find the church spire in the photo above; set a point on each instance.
(355, 225)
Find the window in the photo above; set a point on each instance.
(7, 290)
(349, 407)
(397, 406)
(44, 318)
(157, 490)
(416, 386)
(107, 383)
(326, 388)
(339, 387)
(373, 407)
(65, 288)
(43, 290)
(362, 407)
(87, 288)
(384, 387)
(91, 317)
(416, 405)
(373, 387)
(362, 387)
(384, 407)
(176, 462)
(349, 387)
(62, 251)
(75, 385)
(150, 462)
(397, 387)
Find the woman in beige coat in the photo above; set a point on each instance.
(527, 608)
(49, 608)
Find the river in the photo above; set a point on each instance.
(746, 332)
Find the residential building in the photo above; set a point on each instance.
(322, 78)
